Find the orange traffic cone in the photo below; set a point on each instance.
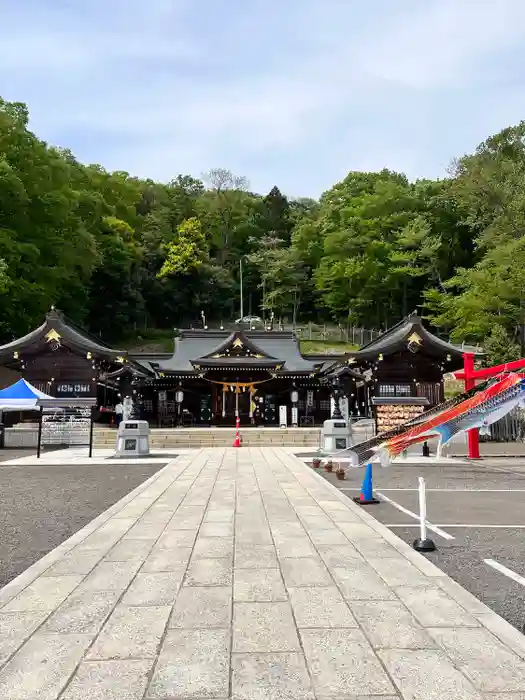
(237, 441)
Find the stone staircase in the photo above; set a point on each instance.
(173, 438)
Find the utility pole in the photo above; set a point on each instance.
(522, 329)
(242, 300)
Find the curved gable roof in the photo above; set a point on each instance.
(276, 347)
(408, 331)
(56, 327)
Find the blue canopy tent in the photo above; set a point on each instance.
(21, 396)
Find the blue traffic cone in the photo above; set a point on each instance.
(366, 497)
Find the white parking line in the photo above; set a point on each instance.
(452, 490)
(506, 572)
(430, 526)
(469, 526)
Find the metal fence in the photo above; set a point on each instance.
(313, 331)
(510, 428)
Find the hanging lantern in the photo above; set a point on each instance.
(294, 395)
(179, 396)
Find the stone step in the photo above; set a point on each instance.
(171, 438)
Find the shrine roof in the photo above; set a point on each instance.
(240, 348)
(62, 331)
(411, 334)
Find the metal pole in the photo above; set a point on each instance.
(242, 300)
(39, 432)
(91, 433)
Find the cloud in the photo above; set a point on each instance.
(440, 43)
(285, 93)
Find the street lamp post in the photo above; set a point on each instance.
(336, 394)
(241, 282)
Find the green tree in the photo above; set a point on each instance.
(187, 252)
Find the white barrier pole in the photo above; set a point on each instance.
(423, 544)
(422, 509)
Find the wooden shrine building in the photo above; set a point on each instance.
(405, 367)
(213, 376)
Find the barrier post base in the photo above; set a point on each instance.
(424, 545)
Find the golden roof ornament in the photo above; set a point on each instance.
(52, 336)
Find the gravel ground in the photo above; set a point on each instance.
(41, 506)
(462, 502)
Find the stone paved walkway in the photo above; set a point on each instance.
(243, 574)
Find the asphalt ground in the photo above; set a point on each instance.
(41, 506)
(479, 511)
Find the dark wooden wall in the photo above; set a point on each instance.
(64, 367)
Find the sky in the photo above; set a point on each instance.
(293, 93)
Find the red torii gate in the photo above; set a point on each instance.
(469, 376)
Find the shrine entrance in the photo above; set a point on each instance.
(238, 399)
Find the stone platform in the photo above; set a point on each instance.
(243, 574)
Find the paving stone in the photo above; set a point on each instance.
(427, 674)
(376, 549)
(361, 582)
(77, 562)
(130, 550)
(389, 625)
(83, 612)
(42, 667)
(192, 664)
(146, 530)
(15, 628)
(264, 627)
(213, 548)
(254, 535)
(328, 536)
(490, 665)
(111, 576)
(154, 589)
(270, 677)
(214, 529)
(190, 521)
(109, 680)
(307, 571)
(219, 516)
(320, 607)
(202, 607)
(434, 608)
(315, 523)
(45, 593)
(173, 540)
(258, 585)
(295, 547)
(356, 532)
(339, 556)
(471, 604)
(209, 572)
(288, 529)
(398, 571)
(131, 633)
(342, 664)
(167, 559)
